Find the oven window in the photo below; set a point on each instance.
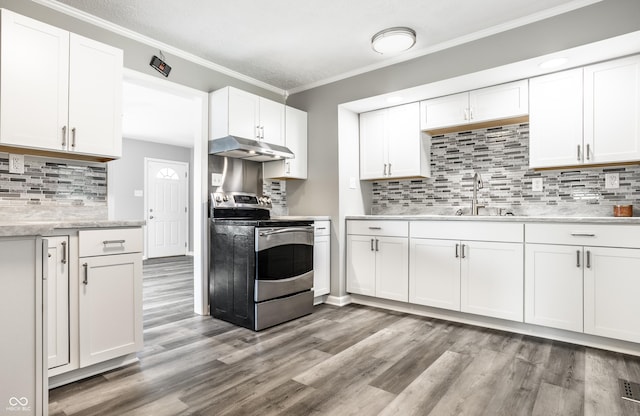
(282, 262)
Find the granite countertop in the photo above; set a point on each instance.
(507, 218)
(22, 228)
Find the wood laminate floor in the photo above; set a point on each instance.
(353, 360)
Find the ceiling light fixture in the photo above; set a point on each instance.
(395, 39)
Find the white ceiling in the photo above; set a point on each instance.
(295, 44)
(151, 113)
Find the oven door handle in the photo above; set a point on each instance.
(287, 230)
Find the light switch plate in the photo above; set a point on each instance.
(536, 184)
(138, 193)
(352, 182)
(611, 181)
(16, 163)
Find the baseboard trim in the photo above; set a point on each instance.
(338, 300)
(586, 340)
(79, 374)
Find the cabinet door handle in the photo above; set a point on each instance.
(377, 245)
(73, 137)
(470, 113)
(258, 132)
(384, 172)
(588, 152)
(466, 114)
(288, 167)
(86, 274)
(457, 248)
(64, 136)
(577, 258)
(462, 251)
(64, 252)
(579, 158)
(588, 259)
(389, 169)
(372, 244)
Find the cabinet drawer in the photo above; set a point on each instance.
(468, 230)
(611, 235)
(322, 227)
(110, 241)
(379, 227)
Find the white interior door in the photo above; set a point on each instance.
(167, 207)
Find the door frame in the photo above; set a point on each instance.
(199, 204)
(146, 199)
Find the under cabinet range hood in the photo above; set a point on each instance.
(240, 148)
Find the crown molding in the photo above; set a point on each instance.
(104, 24)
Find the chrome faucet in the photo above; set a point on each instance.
(477, 184)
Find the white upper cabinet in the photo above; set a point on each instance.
(555, 119)
(95, 97)
(71, 85)
(296, 140)
(588, 115)
(612, 110)
(234, 112)
(391, 144)
(477, 106)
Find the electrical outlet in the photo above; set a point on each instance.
(611, 181)
(16, 163)
(536, 184)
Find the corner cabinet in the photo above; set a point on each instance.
(296, 140)
(587, 115)
(76, 96)
(391, 144)
(378, 259)
(110, 308)
(233, 112)
(492, 103)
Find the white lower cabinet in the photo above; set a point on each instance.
(322, 258)
(434, 273)
(95, 300)
(58, 302)
(480, 277)
(378, 259)
(553, 286)
(110, 307)
(491, 281)
(611, 288)
(590, 286)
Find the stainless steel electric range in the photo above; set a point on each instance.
(260, 269)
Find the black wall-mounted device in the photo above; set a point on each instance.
(160, 66)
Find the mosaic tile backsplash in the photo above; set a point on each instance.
(277, 191)
(501, 157)
(52, 189)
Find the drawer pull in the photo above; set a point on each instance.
(582, 235)
(321, 228)
(375, 228)
(107, 242)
